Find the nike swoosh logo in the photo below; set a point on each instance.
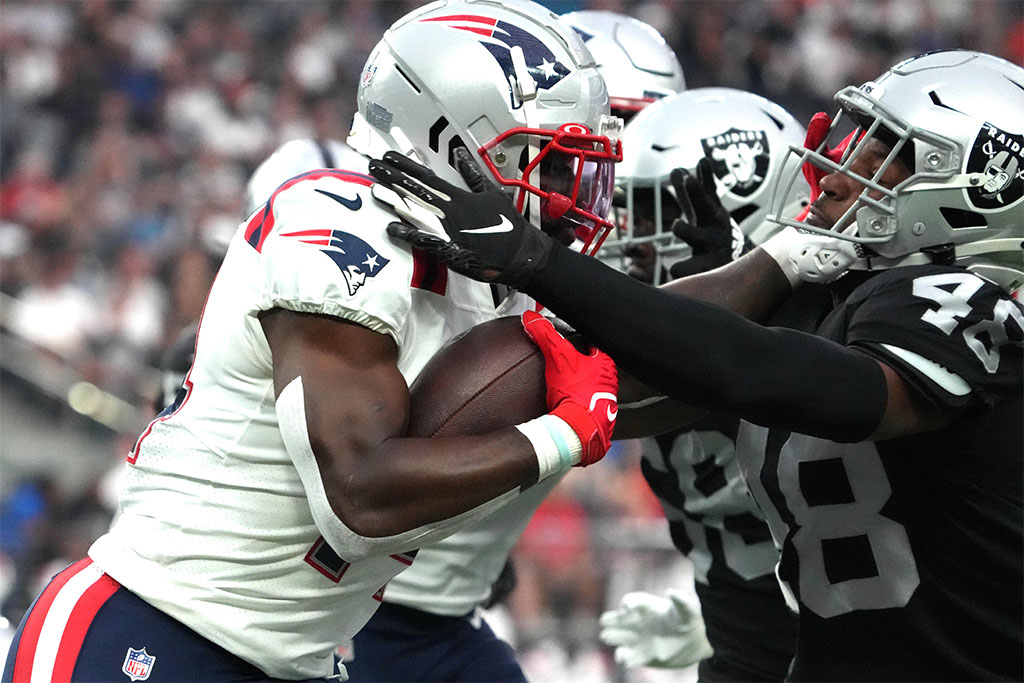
(597, 396)
(353, 204)
(504, 226)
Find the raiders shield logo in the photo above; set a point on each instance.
(740, 159)
(999, 157)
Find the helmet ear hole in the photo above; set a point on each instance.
(524, 158)
(960, 218)
(454, 144)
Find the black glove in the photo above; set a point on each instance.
(489, 239)
(705, 224)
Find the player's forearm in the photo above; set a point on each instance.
(382, 496)
(412, 482)
(701, 354)
(752, 286)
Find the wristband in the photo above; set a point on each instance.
(555, 443)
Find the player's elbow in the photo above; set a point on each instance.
(359, 501)
(356, 528)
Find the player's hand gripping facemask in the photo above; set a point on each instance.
(484, 235)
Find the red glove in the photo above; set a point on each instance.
(817, 131)
(582, 387)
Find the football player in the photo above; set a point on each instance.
(744, 140)
(637, 65)
(431, 625)
(265, 510)
(287, 161)
(884, 447)
(735, 145)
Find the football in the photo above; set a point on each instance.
(490, 377)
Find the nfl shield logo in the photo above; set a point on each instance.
(138, 664)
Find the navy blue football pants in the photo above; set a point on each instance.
(409, 645)
(85, 626)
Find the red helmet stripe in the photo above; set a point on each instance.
(469, 18)
(490, 21)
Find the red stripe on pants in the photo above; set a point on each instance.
(34, 625)
(78, 624)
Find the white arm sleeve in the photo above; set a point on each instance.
(291, 415)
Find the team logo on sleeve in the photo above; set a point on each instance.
(138, 664)
(356, 259)
(999, 157)
(739, 159)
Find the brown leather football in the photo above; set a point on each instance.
(490, 377)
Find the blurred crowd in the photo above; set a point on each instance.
(128, 129)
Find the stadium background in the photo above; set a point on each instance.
(127, 132)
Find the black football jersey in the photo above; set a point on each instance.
(715, 522)
(905, 555)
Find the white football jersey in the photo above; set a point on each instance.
(295, 157)
(454, 576)
(215, 527)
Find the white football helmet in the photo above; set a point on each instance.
(747, 139)
(956, 118)
(295, 157)
(512, 83)
(637, 64)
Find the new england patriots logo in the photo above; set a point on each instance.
(499, 37)
(356, 259)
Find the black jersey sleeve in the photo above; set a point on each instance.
(960, 323)
(704, 355)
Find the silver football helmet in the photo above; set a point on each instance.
(637, 64)
(746, 137)
(512, 83)
(956, 119)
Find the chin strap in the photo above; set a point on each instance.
(805, 257)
